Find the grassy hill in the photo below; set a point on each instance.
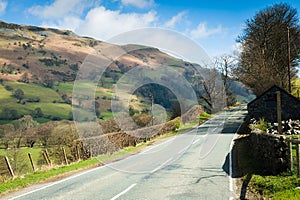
(43, 63)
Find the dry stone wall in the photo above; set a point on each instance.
(271, 153)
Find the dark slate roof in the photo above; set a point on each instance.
(271, 88)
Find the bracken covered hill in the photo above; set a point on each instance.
(36, 54)
(43, 63)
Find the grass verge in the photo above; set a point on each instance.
(283, 186)
(61, 171)
(40, 176)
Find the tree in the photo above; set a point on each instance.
(64, 134)
(226, 64)
(44, 132)
(38, 112)
(264, 59)
(6, 134)
(9, 114)
(212, 90)
(23, 129)
(19, 94)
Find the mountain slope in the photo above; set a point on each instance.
(43, 58)
(45, 53)
(43, 63)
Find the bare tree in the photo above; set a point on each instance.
(226, 64)
(213, 92)
(44, 132)
(23, 128)
(264, 59)
(6, 134)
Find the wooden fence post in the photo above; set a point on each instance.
(65, 156)
(46, 159)
(91, 153)
(78, 152)
(9, 167)
(31, 161)
(291, 155)
(298, 159)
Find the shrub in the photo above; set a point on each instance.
(261, 125)
(8, 88)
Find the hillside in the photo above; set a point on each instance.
(43, 64)
(35, 54)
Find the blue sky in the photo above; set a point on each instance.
(213, 24)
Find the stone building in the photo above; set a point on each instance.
(265, 106)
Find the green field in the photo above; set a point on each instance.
(107, 115)
(4, 94)
(51, 102)
(83, 86)
(31, 90)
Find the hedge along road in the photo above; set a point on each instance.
(194, 165)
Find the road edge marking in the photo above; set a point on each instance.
(57, 182)
(231, 189)
(123, 192)
(160, 166)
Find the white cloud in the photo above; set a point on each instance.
(175, 19)
(202, 31)
(67, 23)
(103, 24)
(3, 5)
(60, 8)
(138, 3)
(85, 18)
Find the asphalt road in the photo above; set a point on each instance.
(195, 165)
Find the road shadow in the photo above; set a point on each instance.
(230, 127)
(242, 165)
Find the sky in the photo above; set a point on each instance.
(214, 25)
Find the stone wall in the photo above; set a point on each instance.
(270, 153)
(265, 106)
(112, 142)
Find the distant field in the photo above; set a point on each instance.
(57, 109)
(31, 90)
(64, 87)
(4, 94)
(107, 115)
(51, 102)
(68, 89)
(47, 96)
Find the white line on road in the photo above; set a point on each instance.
(231, 189)
(196, 141)
(160, 166)
(158, 145)
(55, 183)
(123, 192)
(183, 150)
